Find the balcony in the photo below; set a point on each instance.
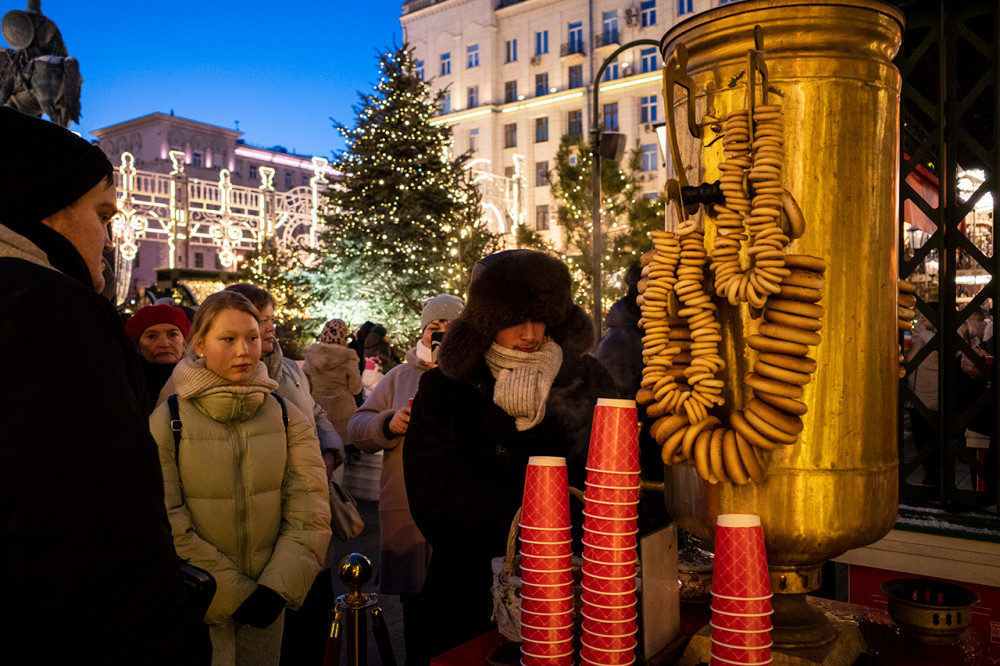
(572, 53)
(606, 42)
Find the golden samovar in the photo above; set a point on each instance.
(829, 64)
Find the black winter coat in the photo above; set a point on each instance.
(89, 573)
(464, 466)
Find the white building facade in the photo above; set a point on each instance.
(519, 74)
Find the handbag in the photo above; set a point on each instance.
(345, 520)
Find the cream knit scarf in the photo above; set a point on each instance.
(523, 380)
(193, 379)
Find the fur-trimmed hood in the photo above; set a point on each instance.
(509, 288)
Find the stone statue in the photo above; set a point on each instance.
(38, 76)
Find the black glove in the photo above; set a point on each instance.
(261, 608)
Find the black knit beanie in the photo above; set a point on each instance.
(44, 168)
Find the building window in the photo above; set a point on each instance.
(252, 172)
(541, 42)
(611, 73)
(541, 84)
(541, 129)
(541, 174)
(575, 37)
(650, 63)
(446, 103)
(611, 117)
(542, 217)
(510, 135)
(445, 64)
(473, 140)
(473, 97)
(610, 23)
(511, 51)
(305, 180)
(199, 259)
(218, 262)
(473, 56)
(288, 180)
(647, 109)
(648, 9)
(574, 125)
(197, 159)
(418, 69)
(649, 157)
(510, 92)
(509, 172)
(576, 76)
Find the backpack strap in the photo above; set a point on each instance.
(175, 424)
(284, 411)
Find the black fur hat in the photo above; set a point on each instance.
(509, 288)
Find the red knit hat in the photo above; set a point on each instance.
(151, 315)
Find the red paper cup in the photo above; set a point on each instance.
(546, 591)
(546, 493)
(546, 577)
(539, 649)
(608, 600)
(540, 563)
(610, 525)
(547, 548)
(603, 614)
(538, 606)
(747, 639)
(595, 570)
(614, 436)
(547, 620)
(589, 655)
(603, 479)
(544, 635)
(609, 643)
(544, 534)
(622, 556)
(565, 660)
(601, 509)
(740, 566)
(411, 403)
(739, 606)
(598, 628)
(602, 541)
(740, 655)
(741, 622)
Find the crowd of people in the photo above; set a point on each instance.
(187, 436)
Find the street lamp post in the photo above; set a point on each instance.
(595, 177)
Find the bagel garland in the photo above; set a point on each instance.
(906, 303)
(682, 334)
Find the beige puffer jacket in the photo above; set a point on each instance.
(248, 506)
(335, 379)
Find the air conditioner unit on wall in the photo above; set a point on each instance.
(632, 16)
(536, 60)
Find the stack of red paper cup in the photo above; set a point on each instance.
(546, 565)
(609, 536)
(741, 593)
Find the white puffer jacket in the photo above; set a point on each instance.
(248, 506)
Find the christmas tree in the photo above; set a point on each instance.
(405, 222)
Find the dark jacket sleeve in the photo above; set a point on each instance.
(450, 472)
(90, 573)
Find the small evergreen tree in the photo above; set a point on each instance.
(405, 222)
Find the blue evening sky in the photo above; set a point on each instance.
(281, 69)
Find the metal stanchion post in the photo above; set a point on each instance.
(350, 620)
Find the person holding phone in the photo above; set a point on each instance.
(380, 424)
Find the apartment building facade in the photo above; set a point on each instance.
(517, 75)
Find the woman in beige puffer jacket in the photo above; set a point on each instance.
(334, 377)
(247, 498)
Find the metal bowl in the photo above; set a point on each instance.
(929, 611)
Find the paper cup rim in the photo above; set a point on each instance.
(547, 529)
(722, 596)
(603, 487)
(600, 547)
(545, 543)
(547, 461)
(616, 402)
(611, 534)
(594, 647)
(546, 656)
(567, 626)
(617, 594)
(588, 559)
(742, 647)
(741, 663)
(741, 631)
(569, 598)
(611, 471)
(590, 515)
(635, 615)
(546, 570)
(770, 612)
(738, 520)
(584, 660)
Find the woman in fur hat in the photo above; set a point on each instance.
(514, 381)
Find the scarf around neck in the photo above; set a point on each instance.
(523, 380)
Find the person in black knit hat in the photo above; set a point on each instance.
(514, 381)
(89, 570)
